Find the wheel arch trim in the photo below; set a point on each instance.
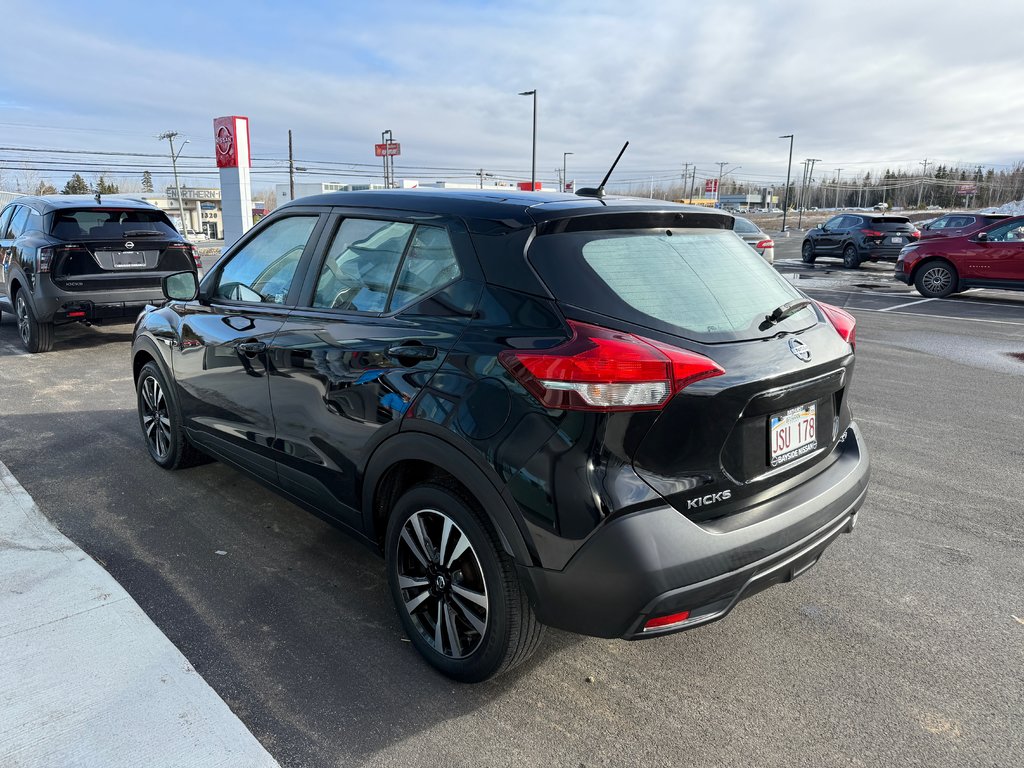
(432, 449)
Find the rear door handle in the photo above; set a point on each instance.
(413, 352)
(251, 347)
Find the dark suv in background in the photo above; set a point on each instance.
(70, 258)
(609, 416)
(957, 224)
(859, 237)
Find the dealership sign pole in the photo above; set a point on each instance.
(231, 138)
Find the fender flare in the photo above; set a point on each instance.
(423, 446)
(152, 349)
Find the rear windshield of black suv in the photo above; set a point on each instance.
(110, 223)
(702, 284)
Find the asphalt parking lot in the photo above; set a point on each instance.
(903, 646)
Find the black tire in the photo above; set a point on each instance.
(161, 422)
(36, 336)
(476, 594)
(851, 259)
(936, 279)
(807, 252)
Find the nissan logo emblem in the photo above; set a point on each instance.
(801, 350)
(129, 244)
(224, 140)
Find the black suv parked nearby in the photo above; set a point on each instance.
(70, 258)
(607, 416)
(859, 237)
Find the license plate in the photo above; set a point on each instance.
(791, 434)
(896, 240)
(125, 259)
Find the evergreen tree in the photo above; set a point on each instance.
(76, 186)
(104, 187)
(147, 181)
(44, 188)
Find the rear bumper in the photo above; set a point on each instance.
(656, 563)
(51, 304)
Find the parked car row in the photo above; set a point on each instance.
(608, 416)
(947, 255)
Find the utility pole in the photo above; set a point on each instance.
(838, 171)
(925, 163)
(481, 174)
(800, 197)
(810, 175)
(693, 181)
(718, 189)
(789, 167)
(170, 136)
(291, 168)
(686, 173)
(565, 177)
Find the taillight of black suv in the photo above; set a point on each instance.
(607, 416)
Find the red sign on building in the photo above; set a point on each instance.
(390, 149)
(526, 186)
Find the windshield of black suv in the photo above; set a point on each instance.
(110, 223)
(702, 284)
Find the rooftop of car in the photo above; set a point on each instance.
(523, 208)
(48, 203)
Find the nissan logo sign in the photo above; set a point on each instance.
(224, 140)
(801, 350)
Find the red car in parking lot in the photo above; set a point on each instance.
(992, 257)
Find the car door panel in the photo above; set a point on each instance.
(220, 354)
(342, 379)
(341, 384)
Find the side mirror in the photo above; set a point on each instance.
(181, 286)
(982, 237)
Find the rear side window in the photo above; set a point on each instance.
(361, 265)
(705, 285)
(110, 224)
(745, 226)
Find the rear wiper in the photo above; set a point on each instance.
(780, 313)
(141, 233)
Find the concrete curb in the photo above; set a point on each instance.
(87, 678)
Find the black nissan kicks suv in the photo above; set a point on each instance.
(73, 258)
(609, 416)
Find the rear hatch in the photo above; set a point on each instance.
(777, 413)
(889, 231)
(105, 247)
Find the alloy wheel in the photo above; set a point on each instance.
(936, 280)
(24, 321)
(156, 421)
(442, 583)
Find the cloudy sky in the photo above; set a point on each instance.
(861, 84)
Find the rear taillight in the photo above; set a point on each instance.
(45, 259)
(599, 369)
(873, 233)
(766, 244)
(842, 321)
(189, 250)
(915, 233)
(49, 254)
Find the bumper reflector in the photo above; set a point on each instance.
(667, 621)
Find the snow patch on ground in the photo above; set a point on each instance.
(1016, 208)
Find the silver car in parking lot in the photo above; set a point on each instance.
(757, 239)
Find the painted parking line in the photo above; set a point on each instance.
(907, 304)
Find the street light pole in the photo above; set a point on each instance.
(838, 179)
(170, 135)
(789, 167)
(565, 178)
(533, 164)
(291, 168)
